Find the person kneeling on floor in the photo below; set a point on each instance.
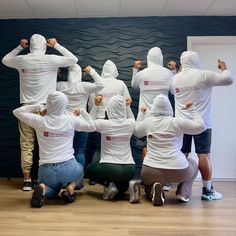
(164, 161)
(55, 132)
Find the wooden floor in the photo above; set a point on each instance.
(90, 216)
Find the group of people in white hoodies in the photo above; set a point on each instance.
(56, 118)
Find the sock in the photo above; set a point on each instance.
(207, 184)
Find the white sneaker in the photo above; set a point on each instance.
(182, 199)
(134, 191)
(27, 185)
(109, 192)
(167, 187)
(210, 194)
(158, 197)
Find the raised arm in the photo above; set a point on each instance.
(217, 79)
(10, 59)
(92, 87)
(68, 58)
(26, 114)
(84, 122)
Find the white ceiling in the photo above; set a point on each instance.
(25, 9)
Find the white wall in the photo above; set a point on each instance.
(223, 151)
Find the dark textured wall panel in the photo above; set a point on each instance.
(94, 41)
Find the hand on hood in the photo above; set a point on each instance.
(24, 43)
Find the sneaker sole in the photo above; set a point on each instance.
(166, 188)
(37, 197)
(26, 189)
(67, 197)
(135, 193)
(158, 199)
(182, 199)
(209, 198)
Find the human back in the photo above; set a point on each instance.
(196, 85)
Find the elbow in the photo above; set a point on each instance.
(75, 60)
(4, 61)
(14, 112)
(137, 134)
(228, 81)
(100, 87)
(202, 127)
(92, 128)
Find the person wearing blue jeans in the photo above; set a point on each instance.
(53, 174)
(55, 133)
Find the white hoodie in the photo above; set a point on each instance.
(77, 91)
(193, 84)
(116, 132)
(55, 130)
(112, 87)
(165, 134)
(37, 70)
(153, 80)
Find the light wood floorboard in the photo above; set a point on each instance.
(90, 215)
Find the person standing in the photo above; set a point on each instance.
(112, 87)
(151, 81)
(38, 76)
(78, 93)
(196, 85)
(164, 161)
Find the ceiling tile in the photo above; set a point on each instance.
(223, 8)
(52, 8)
(141, 8)
(186, 7)
(98, 8)
(12, 8)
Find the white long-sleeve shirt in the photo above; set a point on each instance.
(116, 132)
(153, 80)
(38, 72)
(78, 92)
(195, 85)
(55, 141)
(112, 87)
(164, 137)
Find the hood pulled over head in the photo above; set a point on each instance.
(74, 74)
(154, 57)
(38, 44)
(109, 70)
(116, 108)
(161, 106)
(190, 60)
(56, 103)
